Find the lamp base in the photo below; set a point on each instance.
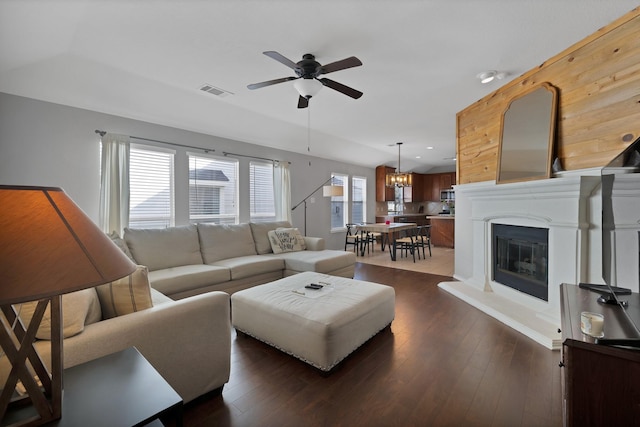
(42, 403)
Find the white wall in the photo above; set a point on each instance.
(53, 145)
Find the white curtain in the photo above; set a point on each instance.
(282, 191)
(114, 183)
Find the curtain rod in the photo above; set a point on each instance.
(226, 153)
(206, 150)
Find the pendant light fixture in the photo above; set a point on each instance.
(398, 178)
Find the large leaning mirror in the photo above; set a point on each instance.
(527, 136)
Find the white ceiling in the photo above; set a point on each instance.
(147, 59)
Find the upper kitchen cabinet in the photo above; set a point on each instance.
(447, 180)
(415, 193)
(417, 188)
(436, 182)
(384, 193)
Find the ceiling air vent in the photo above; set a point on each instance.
(214, 90)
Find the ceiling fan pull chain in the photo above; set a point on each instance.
(309, 131)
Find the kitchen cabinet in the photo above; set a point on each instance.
(435, 182)
(415, 193)
(442, 231)
(384, 193)
(427, 187)
(446, 181)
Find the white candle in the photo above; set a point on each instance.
(592, 323)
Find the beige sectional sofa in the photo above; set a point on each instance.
(187, 341)
(193, 259)
(173, 311)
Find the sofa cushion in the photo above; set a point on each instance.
(260, 232)
(126, 295)
(252, 265)
(187, 277)
(158, 297)
(319, 261)
(79, 308)
(222, 241)
(120, 243)
(286, 240)
(164, 247)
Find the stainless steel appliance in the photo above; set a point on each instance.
(447, 195)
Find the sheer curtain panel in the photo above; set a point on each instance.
(114, 183)
(282, 190)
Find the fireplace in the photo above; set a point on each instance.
(520, 257)
(590, 234)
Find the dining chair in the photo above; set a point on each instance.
(423, 238)
(407, 243)
(354, 238)
(372, 238)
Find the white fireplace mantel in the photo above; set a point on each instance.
(570, 207)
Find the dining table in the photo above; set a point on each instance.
(389, 232)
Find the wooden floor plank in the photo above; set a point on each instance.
(442, 362)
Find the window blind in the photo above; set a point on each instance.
(213, 190)
(262, 205)
(358, 199)
(150, 187)
(339, 206)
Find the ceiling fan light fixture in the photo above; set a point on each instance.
(307, 88)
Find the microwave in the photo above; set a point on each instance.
(447, 195)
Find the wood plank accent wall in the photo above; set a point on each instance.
(598, 81)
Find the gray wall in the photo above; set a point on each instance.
(54, 145)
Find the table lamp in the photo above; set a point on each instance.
(48, 247)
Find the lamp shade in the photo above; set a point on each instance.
(48, 246)
(332, 191)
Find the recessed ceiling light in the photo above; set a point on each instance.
(489, 76)
(429, 148)
(418, 157)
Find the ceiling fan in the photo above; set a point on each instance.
(307, 71)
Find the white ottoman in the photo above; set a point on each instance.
(320, 327)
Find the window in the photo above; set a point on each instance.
(262, 206)
(358, 199)
(213, 190)
(150, 187)
(339, 206)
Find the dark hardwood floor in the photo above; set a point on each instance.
(442, 363)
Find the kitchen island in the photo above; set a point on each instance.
(442, 230)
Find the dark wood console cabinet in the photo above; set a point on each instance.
(600, 383)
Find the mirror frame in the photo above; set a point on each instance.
(548, 145)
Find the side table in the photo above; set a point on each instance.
(120, 389)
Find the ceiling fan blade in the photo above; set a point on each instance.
(355, 94)
(341, 65)
(270, 82)
(282, 59)
(303, 102)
